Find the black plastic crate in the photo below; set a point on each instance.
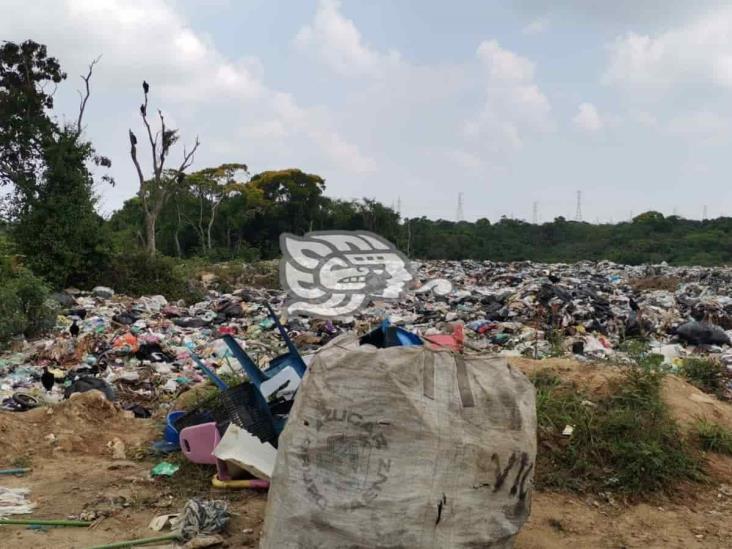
(243, 405)
(247, 408)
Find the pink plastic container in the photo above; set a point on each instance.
(197, 443)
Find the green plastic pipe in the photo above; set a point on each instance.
(134, 542)
(16, 471)
(42, 522)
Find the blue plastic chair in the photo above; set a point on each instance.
(290, 359)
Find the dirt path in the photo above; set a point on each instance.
(123, 490)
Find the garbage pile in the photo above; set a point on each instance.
(585, 308)
(138, 351)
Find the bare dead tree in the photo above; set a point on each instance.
(155, 191)
(84, 97)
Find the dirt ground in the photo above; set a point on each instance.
(75, 471)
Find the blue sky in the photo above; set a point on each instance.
(510, 103)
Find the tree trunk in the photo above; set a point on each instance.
(178, 250)
(150, 246)
(208, 231)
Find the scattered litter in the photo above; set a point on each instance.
(164, 469)
(13, 501)
(117, 447)
(240, 448)
(201, 517)
(161, 522)
(568, 430)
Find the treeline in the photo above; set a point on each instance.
(248, 222)
(649, 238)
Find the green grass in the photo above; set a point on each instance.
(707, 375)
(634, 347)
(190, 479)
(556, 343)
(625, 442)
(713, 437)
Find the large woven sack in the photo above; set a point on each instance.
(403, 447)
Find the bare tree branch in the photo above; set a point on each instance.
(85, 96)
(164, 145)
(153, 142)
(133, 154)
(188, 157)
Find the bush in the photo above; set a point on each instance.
(24, 305)
(135, 273)
(708, 375)
(625, 442)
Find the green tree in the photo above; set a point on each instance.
(60, 233)
(293, 203)
(55, 224)
(210, 186)
(27, 78)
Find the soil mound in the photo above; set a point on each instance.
(85, 424)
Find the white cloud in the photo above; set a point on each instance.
(646, 119)
(537, 26)
(700, 124)
(337, 41)
(697, 52)
(588, 119)
(503, 64)
(514, 105)
(187, 74)
(465, 159)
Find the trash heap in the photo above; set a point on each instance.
(137, 351)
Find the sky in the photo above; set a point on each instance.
(515, 104)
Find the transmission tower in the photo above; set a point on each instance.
(459, 216)
(399, 206)
(704, 212)
(535, 213)
(578, 213)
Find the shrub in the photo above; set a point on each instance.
(136, 273)
(24, 305)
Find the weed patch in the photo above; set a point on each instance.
(714, 437)
(625, 442)
(708, 375)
